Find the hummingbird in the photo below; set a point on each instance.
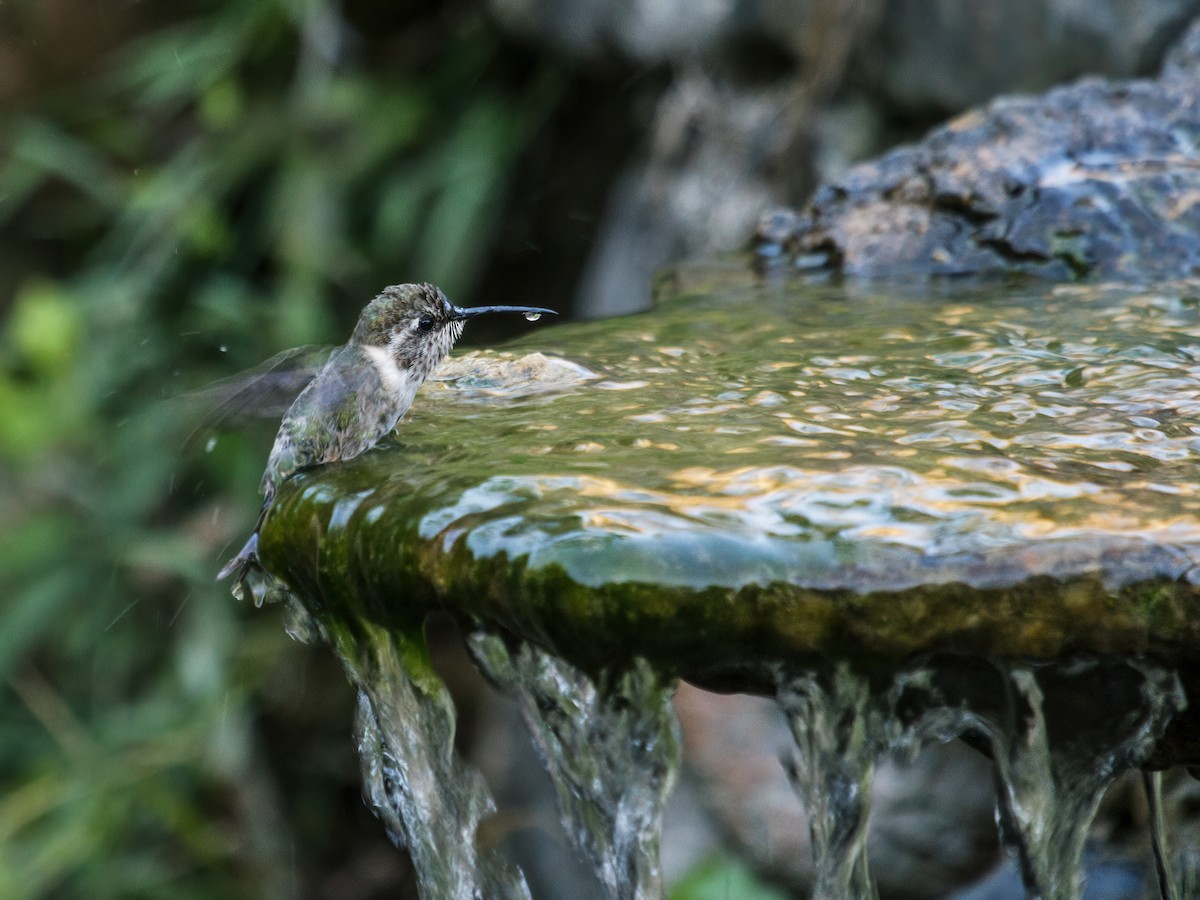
(364, 388)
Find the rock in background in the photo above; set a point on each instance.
(766, 99)
(1096, 179)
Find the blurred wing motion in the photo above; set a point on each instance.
(263, 392)
(345, 410)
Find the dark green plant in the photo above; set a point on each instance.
(239, 179)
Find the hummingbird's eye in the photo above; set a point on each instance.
(425, 324)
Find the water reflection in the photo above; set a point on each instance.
(769, 424)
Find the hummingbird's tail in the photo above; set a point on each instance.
(247, 555)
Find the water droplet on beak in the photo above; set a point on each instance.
(532, 316)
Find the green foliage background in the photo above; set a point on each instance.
(185, 189)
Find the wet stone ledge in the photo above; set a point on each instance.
(773, 475)
(950, 512)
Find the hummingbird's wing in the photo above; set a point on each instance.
(265, 391)
(346, 409)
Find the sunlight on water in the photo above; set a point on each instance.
(944, 428)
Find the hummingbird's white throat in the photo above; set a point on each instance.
(397, 380)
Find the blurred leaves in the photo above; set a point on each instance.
(236, 179)
(723, 878)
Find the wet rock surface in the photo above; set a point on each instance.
(1096, 179)
(905, 518)
(768, 475)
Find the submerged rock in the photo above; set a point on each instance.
(1097, 179)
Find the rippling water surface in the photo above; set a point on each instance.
(807, 437)
(941, 425)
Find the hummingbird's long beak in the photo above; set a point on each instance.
(531, 312)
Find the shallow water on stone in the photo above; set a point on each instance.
(942, 426)
(756, 480)
(808, 440)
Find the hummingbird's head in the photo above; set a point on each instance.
(417, 325)
(414, 323)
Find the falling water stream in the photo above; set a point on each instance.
(611, 745)
(1049, 782)
(839, 727)
(429, 801)
(1049, 778)
(1167, 886)
(906, 518)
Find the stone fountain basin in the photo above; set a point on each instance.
(753, 474)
